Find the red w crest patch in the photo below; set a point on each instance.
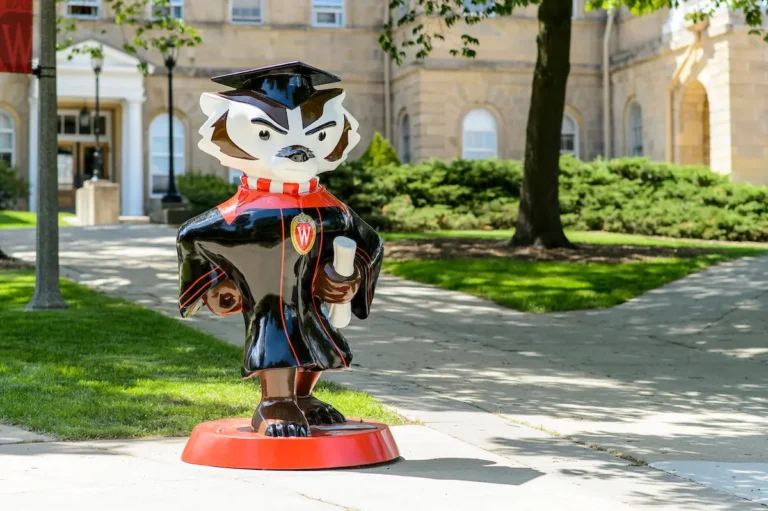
(303, 233)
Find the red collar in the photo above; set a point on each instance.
(248, 198)
(268, 185)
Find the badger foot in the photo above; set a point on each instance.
(318, 412)
(280, 418)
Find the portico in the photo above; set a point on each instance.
(122, 96)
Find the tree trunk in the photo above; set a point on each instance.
(539, 223)
(47, 292)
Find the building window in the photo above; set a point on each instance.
(476, 7)
(7, 139)
(405, 139)
(569, 136)
(235, 175)
(247, 11)
(174, 7)
(328, 13)
(402, 9)
(159, 154)
(72, 122)
(479, 135)
(635, 126)
(84, 9)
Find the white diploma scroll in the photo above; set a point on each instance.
(344, 264)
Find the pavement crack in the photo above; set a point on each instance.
(727, 313)
(677, 343)
(32, 441)
(316, 499)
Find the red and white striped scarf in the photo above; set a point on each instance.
(269, 185)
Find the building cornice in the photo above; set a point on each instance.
(497, 66)
(207, 72)
(660, 47)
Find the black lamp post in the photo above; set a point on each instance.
(171, 56)
(98, 160)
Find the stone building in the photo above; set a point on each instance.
(654, 85)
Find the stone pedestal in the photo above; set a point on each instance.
(171, 214)
(98, 203)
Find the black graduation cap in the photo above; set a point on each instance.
(289, 84)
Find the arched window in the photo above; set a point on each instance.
(405, 139)
(635, 129)
(569, 136)
(7, 139)
(479, 135)
(159, 153)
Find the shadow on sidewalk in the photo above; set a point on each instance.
(456, 469)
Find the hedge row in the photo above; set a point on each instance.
(631, 195)
(13, 188)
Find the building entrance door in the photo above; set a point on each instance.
(76, 164)
(76, 156)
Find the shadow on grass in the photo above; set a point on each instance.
(11, 221)
(106, 368)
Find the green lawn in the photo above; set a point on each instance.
(25, 219)
(107, 368)
(544, 286)
(596, 237)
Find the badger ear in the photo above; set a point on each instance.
(213, 104)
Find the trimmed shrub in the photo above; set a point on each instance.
(628, 195)
(12, 187)
(204, 191)
(379, 153)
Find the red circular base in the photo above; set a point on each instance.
(231, 443)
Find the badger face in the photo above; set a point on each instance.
(263, 138)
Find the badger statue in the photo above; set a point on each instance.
(268, 252)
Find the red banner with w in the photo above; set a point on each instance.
(15, 36)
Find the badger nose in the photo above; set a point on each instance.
(297, 153)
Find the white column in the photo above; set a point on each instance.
(125, 160)
(133, 159)
(33, 133)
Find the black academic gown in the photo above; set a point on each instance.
(248, 240)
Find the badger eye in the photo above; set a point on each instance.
(264, 135)
(321, 136)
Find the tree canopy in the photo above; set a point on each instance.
(411, 14)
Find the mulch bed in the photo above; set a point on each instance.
(9, 263)
(464, 248)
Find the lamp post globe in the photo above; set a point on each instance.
(171, 57)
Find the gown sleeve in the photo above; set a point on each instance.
(197, 274)
(368, 259)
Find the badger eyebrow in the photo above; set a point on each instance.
(330, 124)
(261, 120)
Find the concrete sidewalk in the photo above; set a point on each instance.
(437, 472)
(676, 378)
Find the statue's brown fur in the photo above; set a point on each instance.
(338, 151)
(273, 109)
(221, 138)
(312, 109)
